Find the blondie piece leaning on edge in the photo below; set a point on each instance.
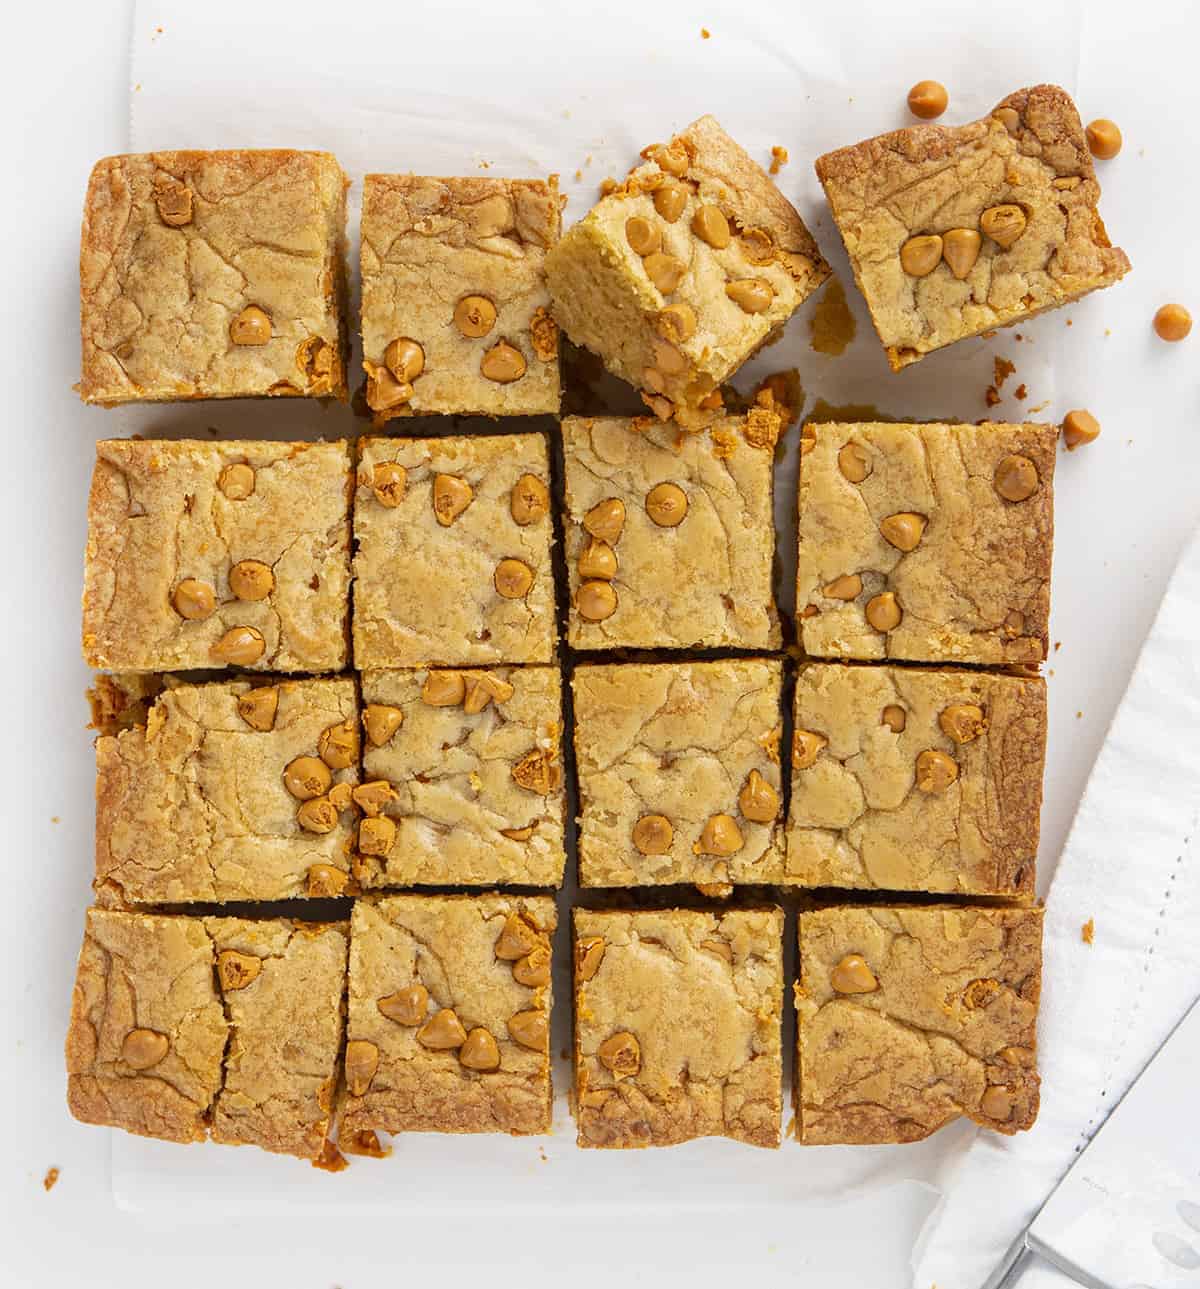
(455, 310)
(908, 1018)
(677, 1026)
(930, 543)
(213, 275)
(953, 231)
(218, 555)
(449, 1027)
(678, 275)
(907, 779)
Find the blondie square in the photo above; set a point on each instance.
(677, 1026)
(911, 1017)
(670, 537)
(449, 1028)
(929, 543)
(207, 555)
(678, 767)
(453, 562)
(229, 793)
(953, 231)
(909, 779)
(213, 275)
(455, 311)
(463, 785)
(679, 274)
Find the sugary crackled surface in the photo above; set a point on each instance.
(678, 740)
(152, 973)
(428, 243)
(605, 300)
(193, 807)
(702, 995)
(453, 772)
(426, 593)
(704, 582)
(856, 816)
(285, 1034)
(954, 1015)
(246, 228)
(159, 513)
(929, 179)
(975, 589)
(448, 945)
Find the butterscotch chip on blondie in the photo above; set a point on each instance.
(453, 562)
(930, 543)
(229, 792)
(953, 231)
(213, 275)
(909, 779)
(678, 767)
(203, 555)
(908, 1018)
(677, 1026)
(463, 778)
(680, 274)
(449, 1028)
(670, 538)
(455, 310)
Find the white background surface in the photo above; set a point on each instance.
(1125, 507)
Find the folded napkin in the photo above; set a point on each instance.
(1132, 866)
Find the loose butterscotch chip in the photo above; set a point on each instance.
(307, 777)
(480, 1051)
(483, 688)
(665, 271)
(599, 560)
(710, 225)
(676, 323)
(919, 256)
(846, 587)
(251, 579)
(239, 647)
(372, 797)
(720, 836)
(503, 363)
(751, 294)
(589, 954)
(1003, 224)
(376, 836)
(451, 496)
(997, 1103)
(894, 717)
(960, 250)
(653, 834)
(319, 815)
(474, 316)
(962, 722)
(512, 579)
(1016, 478)
(529, 500)
(669, 200)
(935, 771)
(854, 463)
(258, 707)
(806, 747)
(596, 601)
(853, 976)
(194, 600)
(516, 939)
(1079, 427)
(883, 611)
(380, 722)
(324, 882)
(606, 519)
(388, 481)
(362, 1060)
(443, 689)
(251, 327)
(406, 1006)
(1172, 322)
(644, 238)
(236, 481)
(237, 970)
(621, 1054)
(538, 771)
(173, 200)
(1103, 138)
(405, 359)
(143, 1048)
(928, 99)
(667, 504)
(533, 970)
(758, 801)
(338, 745)
(530, 1030)
(442, 1031)
(903, 530)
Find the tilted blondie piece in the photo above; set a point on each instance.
(453, 562)
(218, 555)
(907, 779)
(670, 538)
(911, 1017)
(213, 275)
(677, 1026)
(463, 784)
(455, 310)
(450, 1000)
(678, 767)
(675, 278)
(930, 543)
(953, 231)
(229, 793)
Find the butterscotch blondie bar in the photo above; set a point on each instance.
(213, 275)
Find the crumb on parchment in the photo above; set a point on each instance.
(51, 1177)
(779, 159)
(1087, 932)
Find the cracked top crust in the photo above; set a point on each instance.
(976, 586)
(929, 179)
(949, 1029)
(448, 946)
(681, 741)
(426, 592)
(455, 775)
(194, 808)
(176, 245)
(428, 243)
(677, 1026)
(857, 817)
(161, 512)
(706, 581)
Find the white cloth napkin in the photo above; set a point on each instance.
(1132, 865)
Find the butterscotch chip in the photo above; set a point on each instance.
(1003, 224)
(667, 357)
(516, 938)
(239, 647)
(474, 316)
(251, 327)
(543, 335)
(236, 970)
(1016, 478)
(720, 836)
(503, 363)
(325, 882)
(894, 717)
(142, 1049)
(935, 771)
(676, 323)
(752, 294)
(405, 359)
(597, 560)
(258, 708)
(530, 1029)
(883, 611)
(236, 481)
(362, 1060)
(903, 530)
(962, 722)
(653, 834)
(643, 237)
(538, 771)
(529, 500)
(407, 1006)
(669, 200)
(376, 836)
(1010, 118)
(1103, 138)
(341, 796)
(533, 970)
(173, 200)
(671, 157)
(1079, 427)
(710, 225)
(442, 1032)
(380, 722)
(483, 689)
(451, 496)
(337, 745)
(997, 1103)
(853, 976)
(664, 270)
(194, 600)
(307, 777)
(667, 504)
(806, 747)
(372, 797)
(480, 1051)
(1172, 322)
(854, 463)
(251, 579)
(512, 579)
(928, 99)
(596, 601)
(388, 481)
(444, 689)
(519, 834)
(758, 800)
(960, 250)
(319, 815)
(384, 391)
(589, 954)
(621, 1054)
(606, 519)
(919, 256)
(846, 587)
